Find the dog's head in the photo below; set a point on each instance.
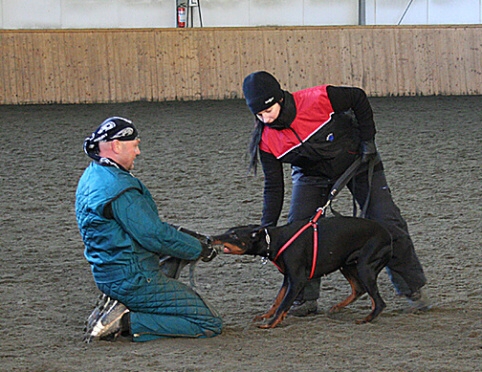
(241, 240)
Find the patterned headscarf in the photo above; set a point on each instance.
(114, 128)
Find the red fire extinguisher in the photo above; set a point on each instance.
(181, 16)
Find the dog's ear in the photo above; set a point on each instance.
(256, 232)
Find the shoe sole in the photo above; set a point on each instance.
(94, 328)
(95, 316)
(100, 329)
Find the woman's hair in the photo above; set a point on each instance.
(253, 147)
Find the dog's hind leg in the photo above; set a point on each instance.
(357, 288)
(368, 272)
(377, 302)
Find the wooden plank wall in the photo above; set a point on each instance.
(87, 66)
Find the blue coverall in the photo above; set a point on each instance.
(124, 238)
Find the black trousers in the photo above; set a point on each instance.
(404, 269)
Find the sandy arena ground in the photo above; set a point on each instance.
(193, 160)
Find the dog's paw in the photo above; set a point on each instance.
(335, 309)
(265, 326)
(277, 320)
(260, 318)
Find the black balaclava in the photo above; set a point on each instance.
(261, 91)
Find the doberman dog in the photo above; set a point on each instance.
(358, 247)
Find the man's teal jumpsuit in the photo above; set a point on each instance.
(124, 238)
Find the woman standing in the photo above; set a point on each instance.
(320, 131)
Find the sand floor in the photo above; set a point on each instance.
(193, 161)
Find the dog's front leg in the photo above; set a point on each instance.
(279, 298)
(292, 290)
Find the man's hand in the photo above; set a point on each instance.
(208, 252)
(368, 150)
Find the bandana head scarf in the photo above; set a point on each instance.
(114, 128)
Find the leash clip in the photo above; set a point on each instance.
(264, 260)
(267, 237)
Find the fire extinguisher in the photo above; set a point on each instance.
(181, 16)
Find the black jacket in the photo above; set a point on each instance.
(326, 154)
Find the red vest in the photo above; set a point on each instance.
(313, 111)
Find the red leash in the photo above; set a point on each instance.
(312, 223)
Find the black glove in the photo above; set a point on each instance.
(201, 237)
(368, 150)
(208, 252)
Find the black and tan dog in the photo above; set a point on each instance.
(358, 247)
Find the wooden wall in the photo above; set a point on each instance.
(104, 65)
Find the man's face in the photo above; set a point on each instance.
(128, 151)
(270, 114)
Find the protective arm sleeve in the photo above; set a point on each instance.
(346, 98)
(207, 252)
(138, 216)
(273, 195)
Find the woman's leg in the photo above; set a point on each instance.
(404, 268)
(305, 200)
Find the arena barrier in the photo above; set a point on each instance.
(124, 65)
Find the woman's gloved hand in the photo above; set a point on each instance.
(368, 150)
